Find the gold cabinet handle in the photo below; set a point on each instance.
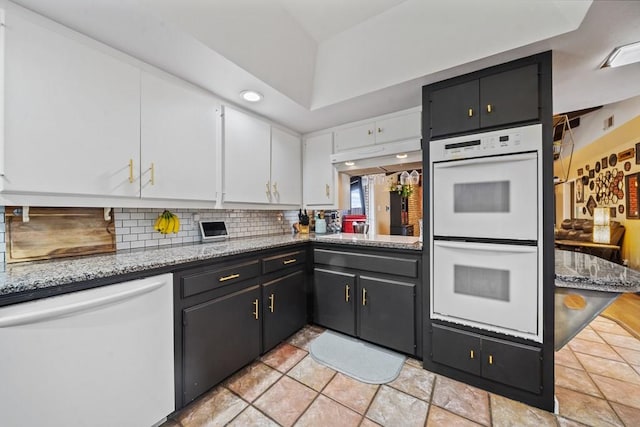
(327, 188)
(471, 355)
(490, 360)
(346, 293)
(131, 170)
(289, 261)
(470, 112)
(369, 132)
(268, 192)
(272, 302)
(229, 277)
(364, 296)
(379, 130)
(489, 108)
(275, 187)
(153, 174)
(255, 309)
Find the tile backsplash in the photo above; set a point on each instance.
(134, 226)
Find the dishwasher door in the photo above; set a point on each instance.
(100, 357)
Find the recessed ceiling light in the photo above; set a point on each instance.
(401, 156)
(251, 95)
(349, 163)
(623, 55)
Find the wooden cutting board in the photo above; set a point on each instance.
(57, 232)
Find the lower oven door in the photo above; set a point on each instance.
(490, 286)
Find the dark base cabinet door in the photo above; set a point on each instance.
(456, 349)
(333, 300)
(513, 364)
(387, 313)
(284, 306)
(219, 337)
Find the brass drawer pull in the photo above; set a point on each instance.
(470, 112)
(471, 354)
(289, 261)
(153, 174)
(490, 360)
(346, 293)
(131, 170)
(255, 307)
(489, 108)
(272, 302)
(364, 296)
(327, 190)
(229, 277)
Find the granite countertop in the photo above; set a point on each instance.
(39, 275)
(582, 271)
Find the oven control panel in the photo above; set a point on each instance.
(505, 141)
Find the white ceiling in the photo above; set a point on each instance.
(324, 63)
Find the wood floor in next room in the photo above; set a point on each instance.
(597, 384)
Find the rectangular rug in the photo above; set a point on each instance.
(358, 359)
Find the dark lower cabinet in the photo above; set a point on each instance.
(284, 308)
(506, 362)
(334, 300)
(386, 313)
(219, 337)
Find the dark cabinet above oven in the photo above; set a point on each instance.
(495, 100)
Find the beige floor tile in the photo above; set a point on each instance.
(631, 356)
(351, 393)
(252, 417)
(608, 326)
(326, 412)
(366, 422)
(170, 423)
(594, 349)
(285, 401)
(567, 357)
(566, 422)
(506, 412)
(609, 368)
(576, 380)
(415, 381)
(586, 409)
(589, 335)
(629, 416)
(414, 362)
(462, 399)
(312, 374)
(253, 380)
(618, 391)
(215, 408)
(284, 357)
(621, 341)
(393, 408)
(636, 367)
(303, 338)
(438, 417)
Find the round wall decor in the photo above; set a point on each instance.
(591, 185)
(585, 180)
(620, 208)
(627, 166)
(613, 159)
(586, 167)
(584, 210)
(597, 167)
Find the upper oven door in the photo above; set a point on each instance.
(487, 197)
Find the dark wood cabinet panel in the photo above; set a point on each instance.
(456, 349)
(281, 261)
(386, 313)
(284, 308)
(334, 300)
(509, 97)
(455, 109)
(388, 264)
(216, 277)
(219, 337)
(513, 364)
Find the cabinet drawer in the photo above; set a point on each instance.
(456, 349)
(513, 364)
(216, 277)
(375, 263)
(282, 261)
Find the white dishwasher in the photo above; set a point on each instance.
(100, 357)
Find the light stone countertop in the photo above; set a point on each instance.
(46, 275)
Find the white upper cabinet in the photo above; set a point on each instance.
(178, 140)
(286, 168)
(385, 129)
(319, 175)
(246, 152)
(72, 115)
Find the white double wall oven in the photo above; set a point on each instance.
(486, 231)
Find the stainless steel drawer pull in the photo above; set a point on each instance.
(346, 293)
(289, 261)
(229, 277)
(364, 296)
(255, 308)
(272, 302)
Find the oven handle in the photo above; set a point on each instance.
(486, 247)
(486, 160)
